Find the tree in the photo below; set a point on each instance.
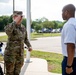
(10, 19)
(33, 24)
(1, 24)
(43, 19)
(24, 22)
(38, 27)
(38, 24)
(5, 20)
(55, 25)
(47, 24)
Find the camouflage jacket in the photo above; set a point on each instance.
(17, 36)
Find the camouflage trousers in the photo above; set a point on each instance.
(13, 64)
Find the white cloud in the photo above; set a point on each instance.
(51, 9)
(6, 8)
(4, 1)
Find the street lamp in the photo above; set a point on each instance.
(13, 6)
(28, 26)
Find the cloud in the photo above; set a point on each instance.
(5, 9)
(51, 9)
(4, 1)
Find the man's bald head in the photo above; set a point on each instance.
(69, 7)
(68, 11)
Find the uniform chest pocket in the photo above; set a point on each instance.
(18, 34)
(15, 32)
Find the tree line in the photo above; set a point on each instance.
(37, 24)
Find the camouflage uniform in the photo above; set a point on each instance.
(14, 52)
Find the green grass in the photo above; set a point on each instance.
(3, 38)
(37, 35)
(33, 36)
(54, 60)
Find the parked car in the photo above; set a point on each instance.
(44, 31)
(39, 31)
(53, 31)
(47, 31)
(56, 30)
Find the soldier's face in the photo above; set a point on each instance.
(19, 17)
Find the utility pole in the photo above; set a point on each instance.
(13, 6)
(28, 27)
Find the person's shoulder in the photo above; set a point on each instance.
(23, 27)
(8, 24)
(72, 21)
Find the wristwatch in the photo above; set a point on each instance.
(68, 66)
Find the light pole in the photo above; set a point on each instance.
(28, 26)
(13, 6)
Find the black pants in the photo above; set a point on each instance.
(1, 72)
(64, 63)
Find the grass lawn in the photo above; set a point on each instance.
(33, 36)
(54, 60)
(37, 35)
(3, 38)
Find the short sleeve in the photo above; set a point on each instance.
(70, 33)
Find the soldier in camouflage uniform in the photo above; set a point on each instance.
(14, 52)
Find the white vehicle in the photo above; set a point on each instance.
(53, 31)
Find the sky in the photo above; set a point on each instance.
(50, 9)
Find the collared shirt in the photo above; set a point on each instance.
(68, 35)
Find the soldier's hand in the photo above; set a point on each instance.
(30, 49)
(17, 19)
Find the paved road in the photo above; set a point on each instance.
(48, 44)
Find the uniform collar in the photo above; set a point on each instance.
(18, 25)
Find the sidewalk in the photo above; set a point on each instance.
(37, 66)
(2, 33)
